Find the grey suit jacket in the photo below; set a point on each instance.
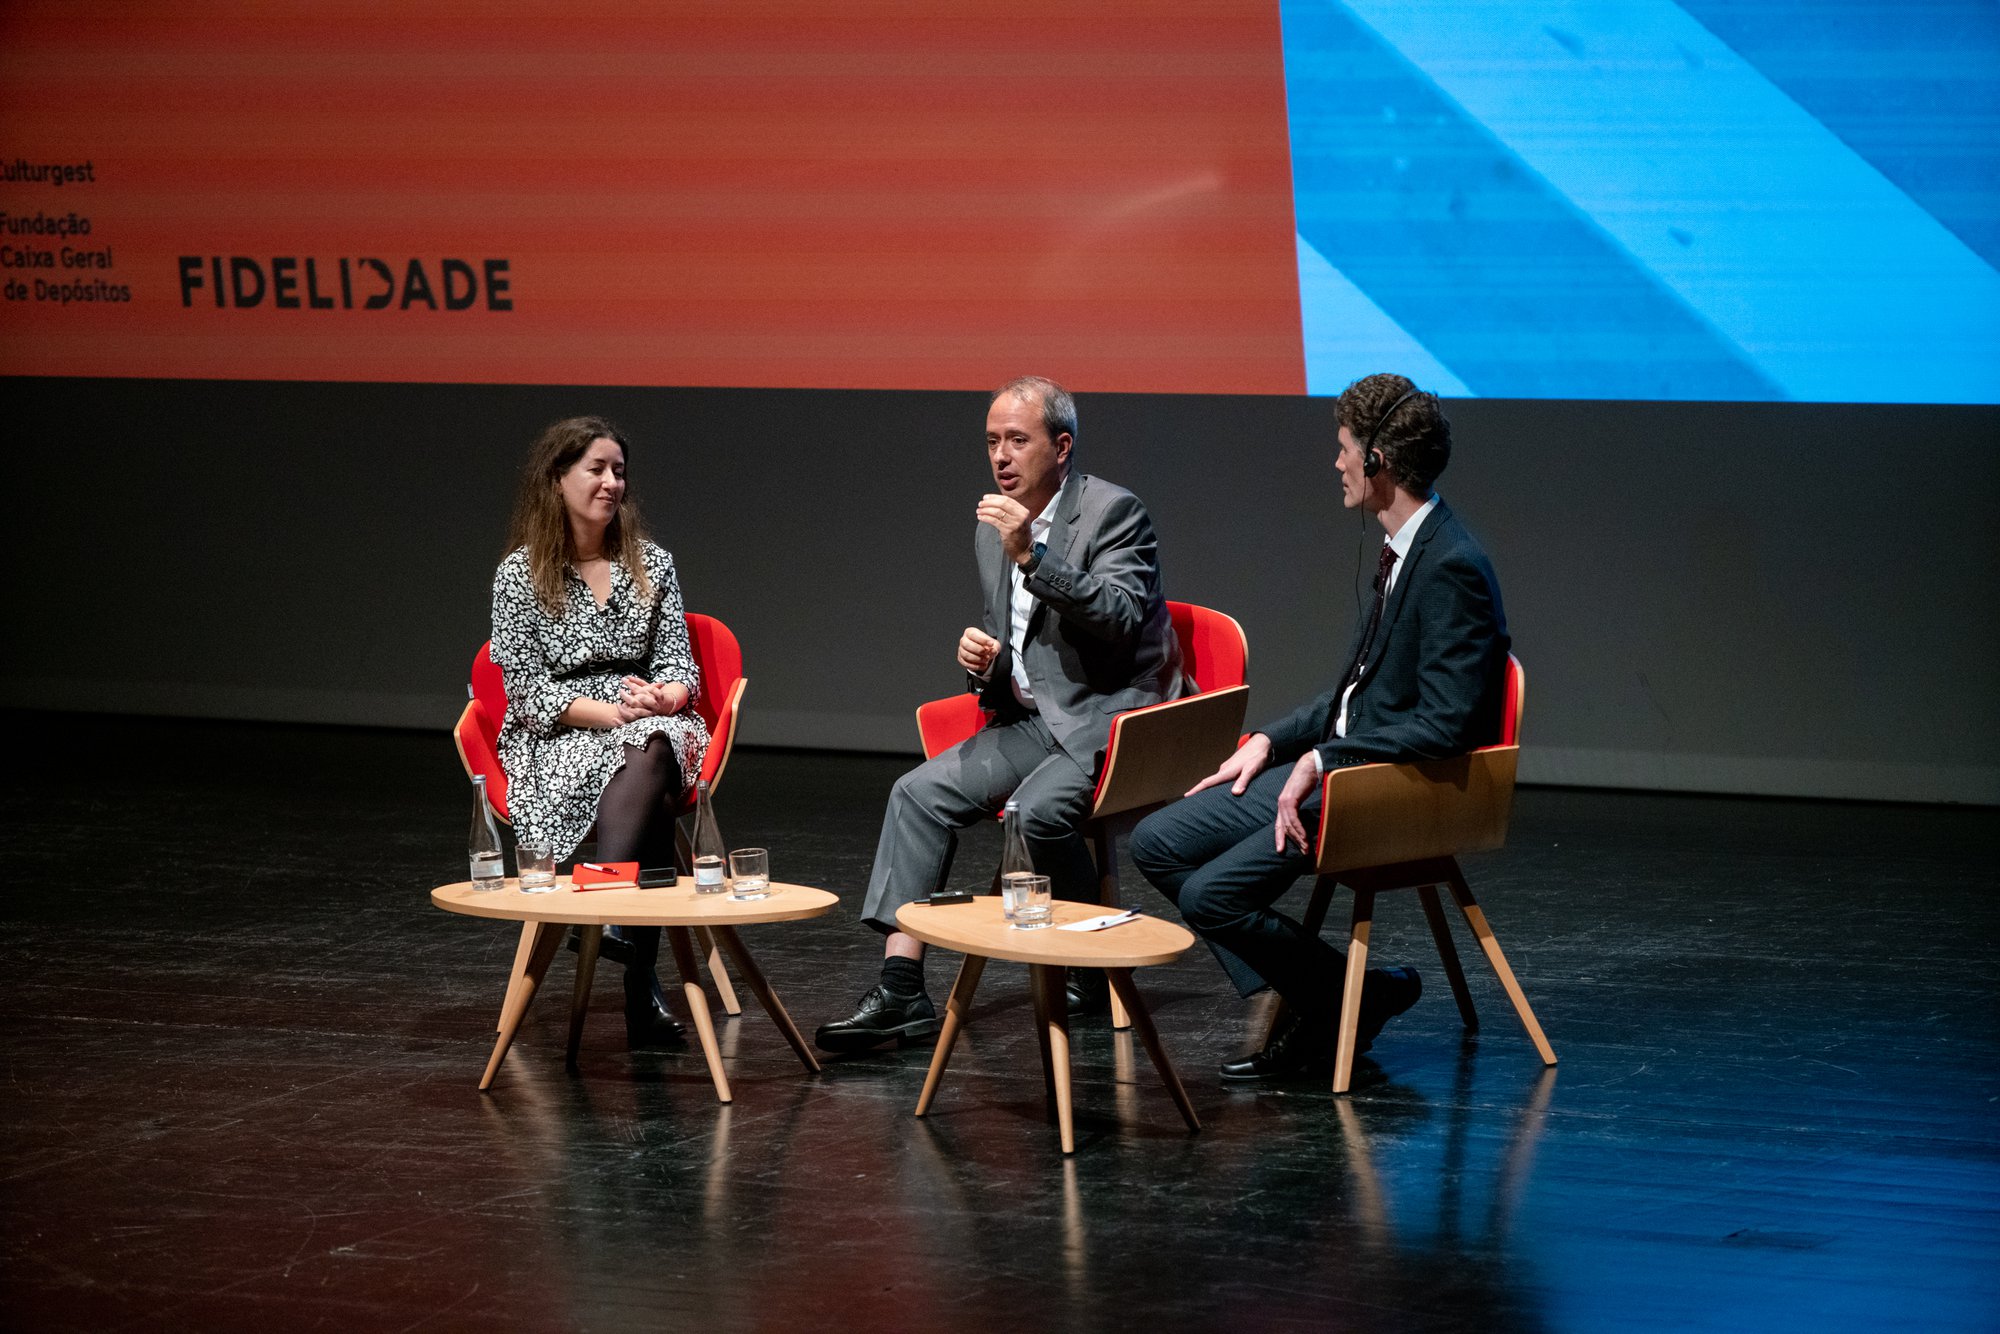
(1099, 639)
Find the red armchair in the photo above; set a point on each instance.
(1155, 753)
(720, 657)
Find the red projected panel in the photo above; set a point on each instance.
(868, 195)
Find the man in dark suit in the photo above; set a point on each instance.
(1425, 678)
(1075, 629)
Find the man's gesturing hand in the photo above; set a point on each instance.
(1237, 771)
(1289, 829)
(1009, 518)
(977, 649)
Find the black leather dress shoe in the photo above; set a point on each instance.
(647, 1022)
(1089, 992)
(882, 1017)
(1300, 1047)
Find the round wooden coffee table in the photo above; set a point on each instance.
(979, 932)
(677, 909)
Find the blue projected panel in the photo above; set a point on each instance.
(1636, 199)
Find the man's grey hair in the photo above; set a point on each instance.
(1058, 408)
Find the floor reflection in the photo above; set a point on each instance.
(1446, 1221)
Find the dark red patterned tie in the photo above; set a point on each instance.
(1382, 568)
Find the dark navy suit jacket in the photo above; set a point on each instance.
(1437, 680)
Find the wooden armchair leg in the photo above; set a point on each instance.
(1315, 920)
(1476, 919)
(1448, 953)
(1106, 846)
(1350, 996)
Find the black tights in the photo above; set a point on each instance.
(635, 816)
(635, 822)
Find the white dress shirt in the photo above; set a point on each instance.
(1399, 542)
(1024, 604)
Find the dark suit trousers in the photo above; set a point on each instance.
(971, 782)
(1212, 854)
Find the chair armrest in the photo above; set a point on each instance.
(1158, 752)
(1381, 814)
(476, 737)
(943, 723)
(722, 736)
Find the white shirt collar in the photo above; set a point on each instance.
(1405, 537)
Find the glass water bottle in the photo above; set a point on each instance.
(711, 856)
(489, 867)
(1017, 868)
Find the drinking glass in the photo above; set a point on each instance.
(537, 862)
(1025, 900)
(750, 873)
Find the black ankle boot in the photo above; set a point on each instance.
(647, 1022)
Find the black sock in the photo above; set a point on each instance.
(903, 977)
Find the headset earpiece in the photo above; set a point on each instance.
(1371, 457)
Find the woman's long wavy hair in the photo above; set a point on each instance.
(541, 522)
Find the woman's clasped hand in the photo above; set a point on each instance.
(640, 698)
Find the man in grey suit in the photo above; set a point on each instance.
(1075, 629)
(1425, 677)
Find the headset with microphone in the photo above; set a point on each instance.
(1371, 463)
(1371, 457)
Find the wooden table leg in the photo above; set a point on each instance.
(760, 987)
(1052, 979)
(548, 939)
(1041, 1000)
(956, 1008)
(697, 1003)
(1350, 999)
(521, 952)
(711, 955)
(590, 938)
(1142, 1023)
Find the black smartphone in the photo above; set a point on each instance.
(657, 877)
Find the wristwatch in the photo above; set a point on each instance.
(1035, 554)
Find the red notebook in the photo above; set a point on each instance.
(615, 875)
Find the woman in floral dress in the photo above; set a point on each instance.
(591, 635)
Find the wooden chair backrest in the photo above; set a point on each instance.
(1386, 814)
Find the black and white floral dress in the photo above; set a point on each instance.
(556, 773)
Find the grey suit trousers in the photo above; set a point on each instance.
(971, 782)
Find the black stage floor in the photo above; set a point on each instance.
(241, 1050)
